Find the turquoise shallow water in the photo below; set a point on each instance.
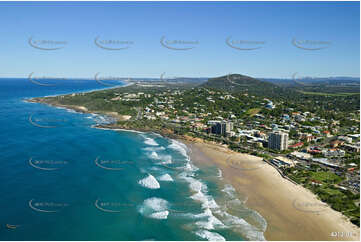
(62, 179)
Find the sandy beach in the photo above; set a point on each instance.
(292, 212)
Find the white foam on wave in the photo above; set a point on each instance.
(100, 119)
(220, 174)
(160, 148)
(155, 168)
(156, 208)
(64, 108)
(180, 147)
(95, 126)
(200, 190)
(190, 167)
(211, 236)
(233, 220)
(229, 190)
(150, 141)
(154, 155)
(156, 204)
(91, 116)
(149, 182)
(70, 110)
(165, 159)
(160, 215)
(129, 131)
(165, 177)
(208, 220)
(261, 220)
(249, 231)
(156, 134)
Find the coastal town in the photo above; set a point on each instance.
(308, 145)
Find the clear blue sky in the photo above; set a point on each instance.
(144, 23)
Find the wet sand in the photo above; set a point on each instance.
(291, 211)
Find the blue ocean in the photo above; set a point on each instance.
(63, 179)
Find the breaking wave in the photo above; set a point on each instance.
(211, 236)
(149, 182)
(156, 208)
(180, 147)
(165, 177)
(150, 141)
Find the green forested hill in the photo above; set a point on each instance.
(246, 84)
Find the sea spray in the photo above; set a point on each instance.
(156, 208)
(165, 177)
(149, 182)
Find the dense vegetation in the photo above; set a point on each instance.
(340, 200)
(237, 83)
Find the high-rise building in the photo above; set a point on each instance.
(222, 128)
(278, 141)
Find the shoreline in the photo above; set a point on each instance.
(292, 212)
(28, 99)
(285, 221)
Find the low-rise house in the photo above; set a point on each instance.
(297, 145)
(327, 133)
(346, 139)
(336, 143)
(333, 153)
(301, 155)
(326, 162)
(314, 150)
(307, 137)
(351, 148)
